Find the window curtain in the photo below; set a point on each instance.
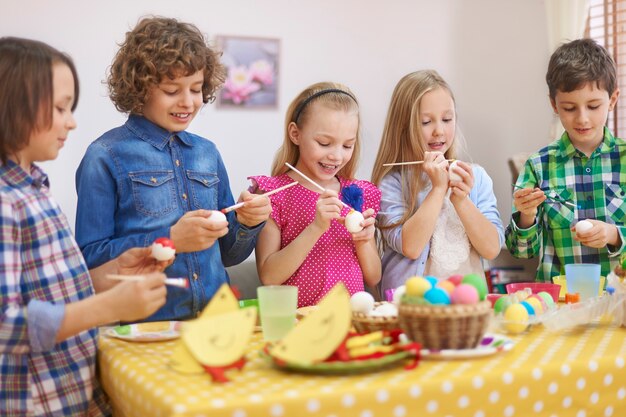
(566, 22)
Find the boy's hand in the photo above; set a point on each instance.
(195, 231)
(600, 235)
(139, 261)
(255, 211)
(136, 300)
(526, 201)
(436, 167)
(368, 226)
(461, 189)
(327, 208)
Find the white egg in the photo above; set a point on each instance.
(385, 310)
(162, 253)
(451, 171)
(398, 293)
(353, 221)
(362, 302)
(217, 216)
(583, 226)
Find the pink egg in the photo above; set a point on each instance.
(455, 279)
(464, 294)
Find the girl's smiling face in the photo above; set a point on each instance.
(326, 142)
(437, 118)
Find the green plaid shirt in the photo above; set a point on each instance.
(596, 186)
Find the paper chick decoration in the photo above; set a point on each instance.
(217, 339)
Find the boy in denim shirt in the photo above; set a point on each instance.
(580, 176)
(151, 178)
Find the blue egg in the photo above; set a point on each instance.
(528, 307)
(433, 280)
(437, 295)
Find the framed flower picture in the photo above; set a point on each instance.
(251, 72)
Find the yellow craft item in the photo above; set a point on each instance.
(317, 335)
(223, 301)
(153, 327)
(368, 350)
(182, 361)
(364, 340)
(220, 340)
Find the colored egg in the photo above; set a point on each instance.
(437, 296)
(433, 280)
(353, 221)
(455, 279)
(501, 304)
(529, 308)
(464, 294)
(478, 282)
(547, 298)
(417, 286)
(447, 286)
(515, 318)
(535, 304)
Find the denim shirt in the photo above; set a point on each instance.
(134, 183)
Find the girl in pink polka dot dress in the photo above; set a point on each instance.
(305, 242)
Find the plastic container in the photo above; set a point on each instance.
(560, 280)
(583, 279)
(535, 288)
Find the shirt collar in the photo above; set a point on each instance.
(15, 176)
(568, 151)
(152, 133)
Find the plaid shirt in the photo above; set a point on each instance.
(41, 270)
(596, 185)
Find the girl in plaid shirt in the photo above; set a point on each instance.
(48, 310)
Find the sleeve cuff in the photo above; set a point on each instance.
(614, 250)
(523, 233)
(245, 232)
(44, 322)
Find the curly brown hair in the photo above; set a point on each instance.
(159, 47)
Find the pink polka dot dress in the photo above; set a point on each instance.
(333, 258)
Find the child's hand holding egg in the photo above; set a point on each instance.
(163, 249)
(353, 221)
(453, 172)
(216, 217)
(583, 226)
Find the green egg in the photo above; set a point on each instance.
(478, 282)
(547, 298)
(501, 304)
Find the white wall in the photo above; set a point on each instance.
(492, 52)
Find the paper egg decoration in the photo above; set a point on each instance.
(353, 221)
(452, 172)
(163, 249)
(583, 225)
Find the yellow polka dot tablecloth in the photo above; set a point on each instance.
(578, 373)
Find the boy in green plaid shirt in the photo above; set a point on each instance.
(580, 176)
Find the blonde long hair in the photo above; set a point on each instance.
(402, 139)
(300, 109)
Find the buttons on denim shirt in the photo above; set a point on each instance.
(177, 163)
(195, 276)
(184, 196)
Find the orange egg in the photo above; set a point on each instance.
(447, 286)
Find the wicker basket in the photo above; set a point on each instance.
(438, 327)
(364, 323)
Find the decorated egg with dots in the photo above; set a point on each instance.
(417, 286)
(353, 221)
(516, 318)
(464, 294)
(478, 282)
(437, 295)
(362, 302)
(163, 249)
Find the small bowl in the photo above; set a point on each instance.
(535, 288)
(560, 280)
